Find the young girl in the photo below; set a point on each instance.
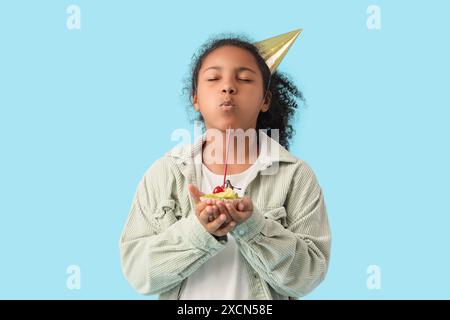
(271, 243)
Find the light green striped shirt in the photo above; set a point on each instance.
(286, 241)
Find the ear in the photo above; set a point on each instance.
(195, 102)
(267, 100)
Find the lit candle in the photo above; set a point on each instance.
(221, 188)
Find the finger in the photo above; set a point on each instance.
(214, 225)
(196, 194)
(228, 228)
(204, 214)
(209, 202)
(200, 207)
(210, 213)
(245, 204)
(223, 209)
(235, 215)
(215, 211)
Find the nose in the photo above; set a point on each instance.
(229, 89)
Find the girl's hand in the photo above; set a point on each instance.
(209, 216)
(239, 211)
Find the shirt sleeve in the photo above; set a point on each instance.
(292, 260)
(155, 258)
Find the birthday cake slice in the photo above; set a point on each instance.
(227, 194)
(223, 194)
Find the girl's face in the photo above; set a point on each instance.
(230, 89)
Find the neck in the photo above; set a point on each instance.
(241, 146)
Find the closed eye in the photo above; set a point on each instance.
(245, 80)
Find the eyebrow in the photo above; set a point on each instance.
(240, 69)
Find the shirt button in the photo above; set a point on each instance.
(241, 232)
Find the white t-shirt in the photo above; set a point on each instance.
(223, 276)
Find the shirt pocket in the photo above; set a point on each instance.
(168, 212)
(277, 214)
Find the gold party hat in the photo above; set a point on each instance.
(274, 49)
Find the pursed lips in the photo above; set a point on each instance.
(227, 103)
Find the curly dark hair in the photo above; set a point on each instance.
(285, 93)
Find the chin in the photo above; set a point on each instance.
(227, 123)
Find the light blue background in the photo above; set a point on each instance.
(84, 113)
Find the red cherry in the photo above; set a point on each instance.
(218, 189)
